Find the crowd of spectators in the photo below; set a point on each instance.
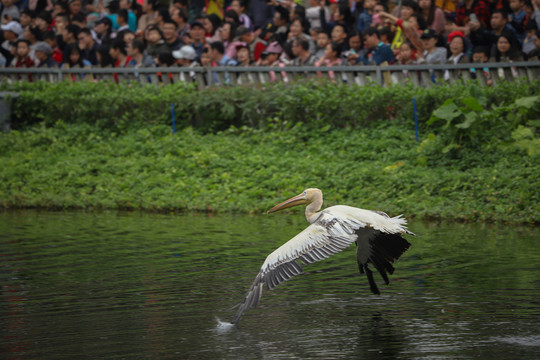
(147, 33)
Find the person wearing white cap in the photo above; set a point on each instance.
(185, 57)
(12, 31)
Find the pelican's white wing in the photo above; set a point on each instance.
(335, 229)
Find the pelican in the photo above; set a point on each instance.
(377, 236)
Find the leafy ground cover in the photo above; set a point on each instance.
(477, 158)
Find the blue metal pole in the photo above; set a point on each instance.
(173, 119)
(415, 119)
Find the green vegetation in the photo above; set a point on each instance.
(239, 149)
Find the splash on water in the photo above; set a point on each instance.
(224, 326)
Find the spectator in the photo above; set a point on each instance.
(356, 48)
(227, 33)
(211, 23)
(534, 55)
(406, 31)
(518, 18)
(303, 57)
(197, 34)
(10, 12)
(32, 34)
(155, 42)
(74, 57)
(323, 39)
(170, 35)
(339, 36)
(121, 21)
(74, 8)
(79, 20)
(60, 22)
(135, 49)
(104, 57)
(165, 59)
(480, 54)
(332, 57)
(378, 51)
(148, 17)
(27, 18)
(366, 17)
(180, 17)
(131, 19)
(231, 16)
(313, 14)
(50, 38)
(528, 42)
(433, 54)
(433, 15)
(280, 22)
(43, 53)
(186, 56)
(69, 37)
(261, 12)
(22, 54)
(103, 30)
(119, 54)
(243, 55)
(456, 41)
(217, 54)
(206, 60)
(88, 46)
(256, 45)
(499, 23)
(507, 49)
(43, 21)
(342, 15)
(297, 31)
(239, 7)
(465, 11)
(406, 55)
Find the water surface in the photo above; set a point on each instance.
(133, 285)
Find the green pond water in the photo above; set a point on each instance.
(136, 285)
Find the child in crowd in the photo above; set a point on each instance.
(22, 54)
(323, 39)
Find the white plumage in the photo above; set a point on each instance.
(378, 239)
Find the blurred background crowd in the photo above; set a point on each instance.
(147, 33)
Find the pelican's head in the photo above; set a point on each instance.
(306, 197)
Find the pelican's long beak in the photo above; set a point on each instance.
(294, 201)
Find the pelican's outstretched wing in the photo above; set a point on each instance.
(334, 230)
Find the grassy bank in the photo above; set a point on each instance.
(477, 158)
(380, 168)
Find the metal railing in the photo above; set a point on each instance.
(419, 75)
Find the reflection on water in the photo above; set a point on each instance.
(133, 285)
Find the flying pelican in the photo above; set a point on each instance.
(377, 236)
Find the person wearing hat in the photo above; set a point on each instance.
(457, 46)
(12, 31)
(270, 57)
(433, 54)
(243, 56)
(185, 56)
(255, 43)
(103, 30)
(197, 33)
(43, 52)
